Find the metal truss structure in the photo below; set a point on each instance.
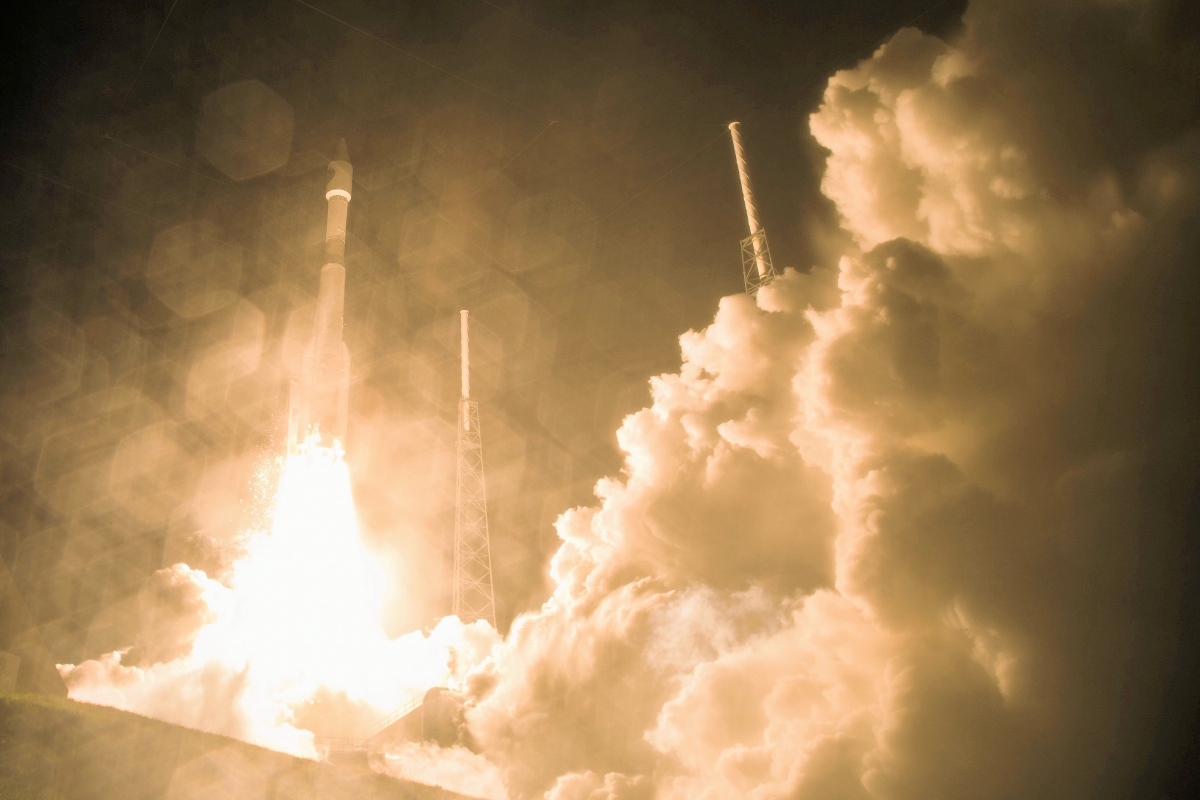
(757, 268)
(474, 598)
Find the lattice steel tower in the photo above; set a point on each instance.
(757, 269)
(473, 595)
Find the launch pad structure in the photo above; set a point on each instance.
(474, 598)
(757, 267)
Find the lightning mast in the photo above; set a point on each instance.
(757, 269)
(473, 595)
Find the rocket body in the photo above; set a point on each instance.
(320, 399)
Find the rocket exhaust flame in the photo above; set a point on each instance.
(294, 641)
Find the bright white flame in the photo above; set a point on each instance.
(301, 614)
(307, 593)
(305, 603)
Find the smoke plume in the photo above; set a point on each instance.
(905, 526)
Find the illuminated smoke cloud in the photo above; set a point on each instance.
(904, 543)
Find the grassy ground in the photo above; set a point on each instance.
(56, 749)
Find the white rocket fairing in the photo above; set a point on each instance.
(320, 399)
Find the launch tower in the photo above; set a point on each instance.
(473, 595)
(757, 269)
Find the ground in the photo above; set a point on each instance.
(51, 747)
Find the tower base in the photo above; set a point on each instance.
(755, 251)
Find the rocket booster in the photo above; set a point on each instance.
(320, 399)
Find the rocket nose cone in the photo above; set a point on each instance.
(340, 153)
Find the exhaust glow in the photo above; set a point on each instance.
(298, 621)
(305, 600)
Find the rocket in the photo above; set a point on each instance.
(319, 401)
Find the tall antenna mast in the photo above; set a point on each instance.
(757, 269)
(473, 595)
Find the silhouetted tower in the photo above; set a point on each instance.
(473, 596)
(757, 269)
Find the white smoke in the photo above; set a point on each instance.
(897, 528)
(901, 544)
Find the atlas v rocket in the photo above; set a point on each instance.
(319, 401)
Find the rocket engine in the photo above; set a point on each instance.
(319, 401)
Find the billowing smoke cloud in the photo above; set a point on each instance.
(907, 527)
